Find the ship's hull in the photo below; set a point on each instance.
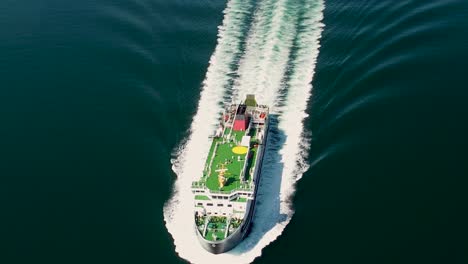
(218, 247)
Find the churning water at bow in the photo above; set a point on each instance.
(102, 101)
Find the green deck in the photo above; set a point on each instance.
(251, 163)
(217, 226)
(253, 152)
(233, 162)
(241, 200)
(202, 197)
(225, 155)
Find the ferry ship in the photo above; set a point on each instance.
(224, 196)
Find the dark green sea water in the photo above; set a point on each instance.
(96, 96)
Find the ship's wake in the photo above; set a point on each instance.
(276, 63)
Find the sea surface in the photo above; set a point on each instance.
(106, 107)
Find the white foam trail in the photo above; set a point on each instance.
(268, 48)
(273, 37)
(295, 148)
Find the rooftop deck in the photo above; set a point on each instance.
(231, 159)
(221, 154)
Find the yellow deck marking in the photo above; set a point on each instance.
(239, 150)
